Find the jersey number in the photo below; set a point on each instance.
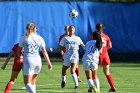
(104, 41)
(91, 49)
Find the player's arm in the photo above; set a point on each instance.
(62, 53)
(109, 44)
(83, 46)
(81, 43)
(46, 56)
(19, 52)
(7, 60)
(61, 46)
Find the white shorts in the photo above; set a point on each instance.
(90, 65)
(32, 65)
(68, 62)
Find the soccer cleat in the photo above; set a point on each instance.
(79, 80)
(76, 87)
(62, 84)
(98, 91)
(112, 90)
(95, 89)
(90, 90)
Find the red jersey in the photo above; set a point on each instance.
(106, 43)
(61, 37)
(17, 60)
(104, 58)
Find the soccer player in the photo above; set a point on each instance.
(32, 44)
(77, 71)
(17, 66)
(71, 56)
(104, 59)
(90, 62)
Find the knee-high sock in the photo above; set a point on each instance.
(77, 71)
(8, 87)
(30, 88)
(64, 78)
(97, 83)
(110, 81)
(90, 82)
(74, 76)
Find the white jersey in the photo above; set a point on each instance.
(32, 44)
(91, 52)
(32, 61)
(72, 46)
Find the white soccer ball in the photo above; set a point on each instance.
(73, 14)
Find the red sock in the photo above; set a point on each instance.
(77, 71)
(8, 87)
(110, 81)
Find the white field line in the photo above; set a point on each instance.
(60, 84)
(54, 85)
(48, 90)
(51, 85)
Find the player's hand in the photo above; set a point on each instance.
(51, 49)
(3, 66)
(50, 66)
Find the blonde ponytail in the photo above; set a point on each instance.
(29, 29)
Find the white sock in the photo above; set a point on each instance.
(90, 82)
(74, 76)
(97, 83)
(30, 88)
(64, 78)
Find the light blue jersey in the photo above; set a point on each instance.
(91, 57)
(32, 45)
(32, 61)
(91, 52)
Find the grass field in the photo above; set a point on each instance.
(126, 77)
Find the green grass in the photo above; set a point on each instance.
(126, 77)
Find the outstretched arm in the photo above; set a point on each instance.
(7, 60)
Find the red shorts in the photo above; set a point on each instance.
(17, 66)
(104, 59)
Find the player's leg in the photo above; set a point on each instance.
(96, 80)
(28, 83)
(15, 71)
(28, 73)
(90, 81)
(74, 76)
(34, 78)
(77, 71)
(64, 73)
(106, 70)
(11, 82)
(109, 78)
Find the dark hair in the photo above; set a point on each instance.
(71, 26)
(99, 27)
(96, 35)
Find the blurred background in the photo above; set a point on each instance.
(121, 20)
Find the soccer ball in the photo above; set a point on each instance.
(73, 14)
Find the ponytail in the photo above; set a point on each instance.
(98, 39)
(29, 29)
